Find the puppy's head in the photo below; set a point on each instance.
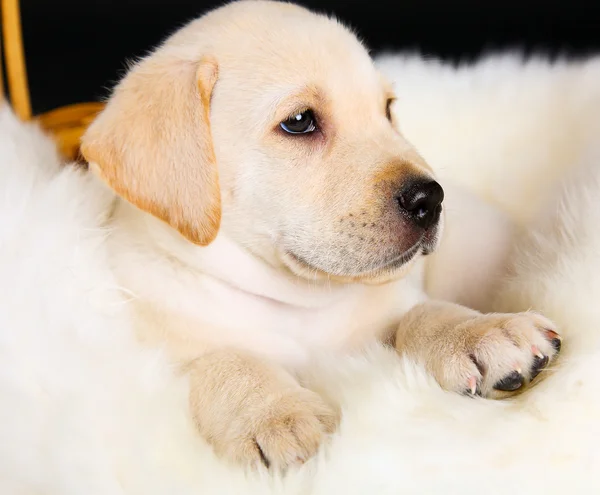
(270, 124)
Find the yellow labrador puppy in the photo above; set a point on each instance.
(269, 206)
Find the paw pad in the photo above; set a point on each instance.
(511, 382)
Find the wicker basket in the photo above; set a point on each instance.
(66, 124)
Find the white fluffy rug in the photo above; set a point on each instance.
(83, 410)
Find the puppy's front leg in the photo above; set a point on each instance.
(484, 354)
(255, 412)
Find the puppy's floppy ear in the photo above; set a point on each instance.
(152, 143)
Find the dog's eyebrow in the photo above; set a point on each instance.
(307, 97)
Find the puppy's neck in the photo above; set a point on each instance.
(193, 299)
(226, 262)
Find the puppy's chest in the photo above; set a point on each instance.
(192, 320)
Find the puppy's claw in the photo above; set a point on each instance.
(472, 385)
(538, 365)
(263, 457)
(511, 382)
(554, 339)
(537, 352)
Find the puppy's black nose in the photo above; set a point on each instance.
(421, 200)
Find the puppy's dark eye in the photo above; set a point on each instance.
(301, 123)
(388, 108)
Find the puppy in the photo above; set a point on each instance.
(268, 206)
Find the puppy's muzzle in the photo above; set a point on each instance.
(420, 201)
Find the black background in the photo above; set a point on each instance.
(77, 49)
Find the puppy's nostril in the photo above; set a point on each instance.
(422, 201)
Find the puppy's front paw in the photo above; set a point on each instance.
(286, 430)
(492, 355)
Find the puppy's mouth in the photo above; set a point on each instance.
(299, 265)
(395, 262)
(430, 241)
(373, 262)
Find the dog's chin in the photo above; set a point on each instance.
(388, 270)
